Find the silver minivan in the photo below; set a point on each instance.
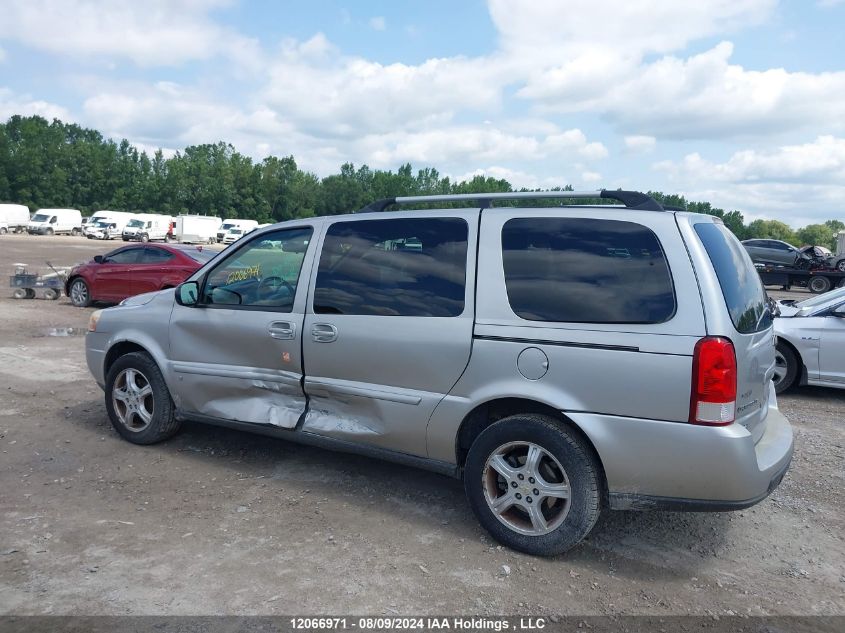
(560, 360)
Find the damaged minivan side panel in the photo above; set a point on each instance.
(237, 354)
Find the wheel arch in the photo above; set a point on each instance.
(491, 411)
(802, 367)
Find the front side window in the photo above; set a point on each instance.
(582, 270)
(126, 256)
(399, 267)
(258, 276)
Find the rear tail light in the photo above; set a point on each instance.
(713, 397)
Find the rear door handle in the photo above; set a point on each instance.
(282, 330)
(323, 332)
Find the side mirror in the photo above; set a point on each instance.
(188, 293)
(98, 259)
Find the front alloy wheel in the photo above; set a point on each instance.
(132, 398)
(79, 295)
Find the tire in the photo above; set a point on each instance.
(80, 294)
(19, 293)
(563, 457)
(3, 230)
(819, 284)
(51, 293)
(49, 232)
(138, 402)
(840, 265)
(145, 237)
(786, 367)
(75, 232)
(30, 293)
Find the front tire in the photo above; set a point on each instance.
(80, 295)
(138, 402)
(49, 232)
(534, 484)
(786, 367)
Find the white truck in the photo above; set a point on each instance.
(107, 225)
(147, 227)
(13, 218)
(55, 222)
(245, 225)
(196, 229)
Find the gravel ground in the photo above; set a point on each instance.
(221, 522)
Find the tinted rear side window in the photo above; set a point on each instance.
(402, 267)
(741, 285)
(582, 270)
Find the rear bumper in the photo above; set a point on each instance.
(677, 466)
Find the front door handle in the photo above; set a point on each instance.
(323, 332)
(282, 330)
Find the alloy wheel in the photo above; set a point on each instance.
(526, 488)
(132, 397)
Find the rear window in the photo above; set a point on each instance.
(582, 270)
(742, 289)
(198, 255)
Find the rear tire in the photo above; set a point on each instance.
(3, 230)
(51, 293)
(80, 294)
(786, 367)
(138, 402)
(75, 232)
(19, 293)
(840, 265)
(544, 509)
(819, 284)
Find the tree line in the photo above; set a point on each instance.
(56, 164)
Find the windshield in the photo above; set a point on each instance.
(135, 223)
(101, 224)
(226, 226)
(824, 300)
(235, 231)
(40, 217)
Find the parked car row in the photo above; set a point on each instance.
(111, 225)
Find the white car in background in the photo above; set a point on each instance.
(233, 235)
(811, 342)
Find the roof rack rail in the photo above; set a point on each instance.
(631, 199)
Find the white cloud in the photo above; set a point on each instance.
(25, 105)
(378, 23)
(826, 4)
(154, 32)
(800, 183)
(590, 177)
(640, 144)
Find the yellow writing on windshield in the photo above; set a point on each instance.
(244, 273)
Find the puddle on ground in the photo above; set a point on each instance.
(60, 331)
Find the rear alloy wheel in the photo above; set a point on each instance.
(840, 265)
(80, 296)
(786, 367)
(533, 484)
(819, 284)
(138, 401)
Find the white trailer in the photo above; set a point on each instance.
(55, 221)
(147, 227)
(13, 218)
(245, 225)
(196, 229)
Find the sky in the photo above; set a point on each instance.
(737, 102)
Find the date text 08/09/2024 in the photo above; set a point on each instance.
(418, 623)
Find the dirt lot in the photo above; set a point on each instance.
(216, 521)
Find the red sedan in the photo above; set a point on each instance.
(133, 270)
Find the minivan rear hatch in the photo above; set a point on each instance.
(752, 332)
